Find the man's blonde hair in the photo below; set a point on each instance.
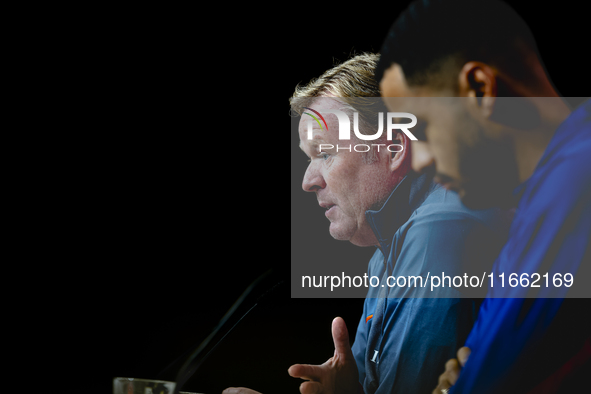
(353, 83)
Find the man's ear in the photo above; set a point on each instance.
(479, 81)
(400, 157)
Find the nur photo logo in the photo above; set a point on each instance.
(344, 122)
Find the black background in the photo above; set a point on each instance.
(178, 200)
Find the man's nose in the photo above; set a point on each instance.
(422, 158)
(313, 180)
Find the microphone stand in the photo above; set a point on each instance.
(193, 362)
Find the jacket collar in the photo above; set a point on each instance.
(408, 195)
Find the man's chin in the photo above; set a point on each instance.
(338, 233)
(353, 235)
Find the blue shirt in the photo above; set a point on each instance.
(405, 334)
(519, 342)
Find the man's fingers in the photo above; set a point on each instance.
(452, 371)
(340, 336)
(239, 390)
(463, 355)
(443, 384)
(311, 388)
(305, 371)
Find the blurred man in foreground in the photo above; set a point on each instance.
(496, 131)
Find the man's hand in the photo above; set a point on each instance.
(452, 371)
(338, 375)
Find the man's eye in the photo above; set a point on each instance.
(325, 156)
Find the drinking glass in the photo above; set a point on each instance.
(142, 386)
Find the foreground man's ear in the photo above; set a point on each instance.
(479, 81)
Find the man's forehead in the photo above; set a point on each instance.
(318, 137)
(319, 120)
(317, 130)
(311, 145)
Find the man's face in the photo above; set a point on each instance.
(344, 184)
(468, 155)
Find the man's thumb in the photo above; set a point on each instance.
(463, 355)
(340, 336)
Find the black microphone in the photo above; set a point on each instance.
(194, 361)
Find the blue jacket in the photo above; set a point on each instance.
(520, 344)
(406, 334)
